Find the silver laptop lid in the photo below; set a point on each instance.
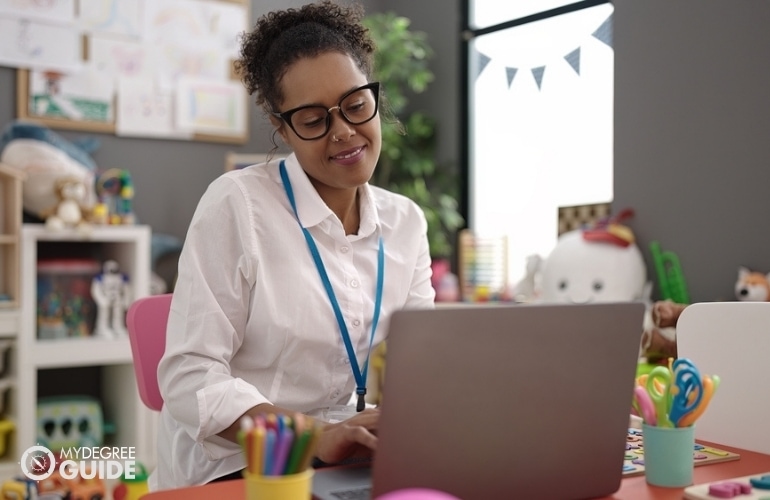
(520, 401)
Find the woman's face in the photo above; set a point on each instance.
(345, 157)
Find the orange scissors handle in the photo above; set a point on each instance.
(708, 391)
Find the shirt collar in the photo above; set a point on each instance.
(312, 210)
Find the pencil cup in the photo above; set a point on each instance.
(668, 455)
(288, 487)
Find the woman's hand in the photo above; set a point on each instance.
(352, 438)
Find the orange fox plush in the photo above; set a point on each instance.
(752, 285)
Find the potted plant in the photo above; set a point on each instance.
(407, 163)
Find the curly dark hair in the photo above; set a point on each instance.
(280, 38)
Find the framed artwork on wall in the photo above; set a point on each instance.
(133, 73)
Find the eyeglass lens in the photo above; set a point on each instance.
(314, 121)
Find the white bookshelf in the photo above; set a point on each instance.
(109, 359)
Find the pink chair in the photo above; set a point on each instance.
(146, 322)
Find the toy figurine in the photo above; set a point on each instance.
(111, 292)
(752, 286)
(71, 210)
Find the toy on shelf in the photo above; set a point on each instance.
(19, 487)
(752, 285)
(671, 280)
(6, 428)
(601, 263)
(659, 334)
(45, 157)
(72, 210)
(70, 422)
(112, 294)
(65, 307)
(115, 193)
(483, 269)
(526, 289)
(132, 489)
(77, 488)
(444, 281)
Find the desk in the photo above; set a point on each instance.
(631, 488)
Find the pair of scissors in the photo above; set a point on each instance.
(644, 405)
(658, 385)
(710, 385)
(685, 391)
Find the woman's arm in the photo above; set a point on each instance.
(354, 437)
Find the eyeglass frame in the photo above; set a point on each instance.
(286, 115)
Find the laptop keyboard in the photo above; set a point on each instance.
(364, 493)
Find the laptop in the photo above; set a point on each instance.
(502, 401)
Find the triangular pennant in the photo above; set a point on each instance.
(573, 58)
(604, 32)
(482, 61)
(511, 73)
(538, 74)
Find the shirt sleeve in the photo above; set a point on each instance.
(208, 316)
(421, 292)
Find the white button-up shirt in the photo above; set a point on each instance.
(251, 322)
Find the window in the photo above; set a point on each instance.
(539, 118)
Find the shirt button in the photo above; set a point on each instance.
(335, 394)
(356, 322)
(344, 249)
(346, 361)
(354, 283)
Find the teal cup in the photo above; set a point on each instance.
(668, 455)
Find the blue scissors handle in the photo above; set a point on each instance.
(686, 389)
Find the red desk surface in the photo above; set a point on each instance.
(631, 488)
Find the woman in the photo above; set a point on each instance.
(290, 269)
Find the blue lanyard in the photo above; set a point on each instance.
(358, 374)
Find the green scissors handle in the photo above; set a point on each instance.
(659, 388)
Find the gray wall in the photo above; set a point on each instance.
(692, 134)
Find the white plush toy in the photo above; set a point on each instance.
(601, 264)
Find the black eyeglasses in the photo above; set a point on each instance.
(356, 107)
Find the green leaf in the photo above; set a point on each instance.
(408, 163)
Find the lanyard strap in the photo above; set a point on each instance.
(358, 374)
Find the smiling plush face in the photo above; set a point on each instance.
(581, 272)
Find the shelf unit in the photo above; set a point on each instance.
(11, 180)
(34, 362)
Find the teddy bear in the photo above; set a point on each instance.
(71, 211)
(659, 331)
(752, 285)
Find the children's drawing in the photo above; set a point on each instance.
(50, 11)
(30, 44)
(210, 106)
(115, 17)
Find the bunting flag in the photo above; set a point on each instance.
(603, 33)
(573, 58)
(511, 73)
(538, 74)
(481, 61)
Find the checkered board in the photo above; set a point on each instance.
(580, 216)
(633, 464)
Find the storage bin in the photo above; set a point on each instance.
(65, 307)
